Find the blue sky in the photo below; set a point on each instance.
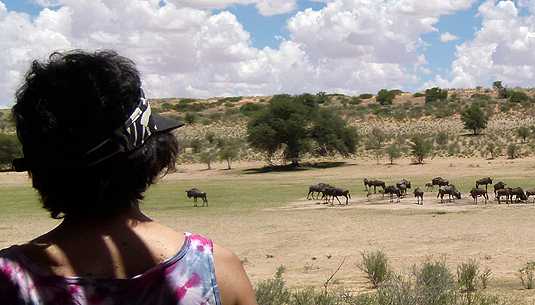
(226, 47)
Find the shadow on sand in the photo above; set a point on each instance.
(292, 168)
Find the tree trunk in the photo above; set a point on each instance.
(209, 165)
(228, 163)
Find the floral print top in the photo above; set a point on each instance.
(188, 278)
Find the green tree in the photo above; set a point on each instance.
(474, 118)
(10, 149)
(517, 96)
(386, 97)
(523, 132)
(435, 94)
(394, 152)
(208, 157)
(420, 148)
(229, 151)
(293, 124)
(513, 151)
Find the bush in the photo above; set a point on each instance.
(468, 276)
(396, 291)
(394, 152)
(474, 119)
(418, 94)
(523, 132)
(434, 284)
(365, 96)
(527, 275)
(513, 151)
(250, 108)
(420, 148)
(10, 148)
(273, 291)
(191, 118)
(375, 265)
(442, 138)
(516, 96)
(435, 94)
(386, 97)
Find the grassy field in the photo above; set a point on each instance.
(265, 218)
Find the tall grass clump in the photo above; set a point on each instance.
(434, 283)
(527, 275)
(375, 265)
(273, 291)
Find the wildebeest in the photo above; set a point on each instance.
(498, 186)
(450, 190)
(504, 192)
(334, 192)
(530, 192)
(316, 188)
(403, 185)
(475, 192)
(419, 194)
(484, 181)
(196, 193)
(429, 186)
(519, 194)
(375, 183)
(393, 190)
(440, 181)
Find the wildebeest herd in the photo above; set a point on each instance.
(399, 190)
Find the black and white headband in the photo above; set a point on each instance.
(139, 127)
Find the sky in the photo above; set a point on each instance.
(207, 48)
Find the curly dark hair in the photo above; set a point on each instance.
(69, 104)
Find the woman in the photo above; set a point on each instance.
(92, 148)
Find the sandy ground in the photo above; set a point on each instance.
(311, 239)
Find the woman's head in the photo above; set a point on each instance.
(67, 106)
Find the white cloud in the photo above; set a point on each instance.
(503, 49)
(265, 7)
(183, 49)
(447, 37)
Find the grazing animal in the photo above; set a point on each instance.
(429, 186)
(504, 192)
(334, 192)
(419, 194)
(440, 181)
(196, 193)
(531, 192)
(475, 192)
(498, 186)
(375, 183)
(393, 190)
(316, 188)
(484, 181)
(449, 190)
(519, 194)
(403, 185)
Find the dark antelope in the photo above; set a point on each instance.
(196, 193)
(475, 192)
(419, 194)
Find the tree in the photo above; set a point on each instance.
(513, 151)
(523, 132)
(393, 152)
(294, 124)
(474, 118)
(10, 149)
(498, 86)
(420, 148)
(442, 139)
(191, 118)
(229, 151)
(435, 94)
(207, 157)
(492, 149)
(385, 97)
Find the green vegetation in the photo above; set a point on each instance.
(435, 94)
(420, 148)
(386, 97)
(527, 275)
(295, 125)
(375, 265)
(474, 119)
(10, 149)
(365, 96)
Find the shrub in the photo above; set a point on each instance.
(420, 148)
(434, 284)
(527, 275)
(523, 132)
(418, 94)
(442, 138)
(375, 265)
(207, 157)
(394, 152)
(513, 151)
(516, 96)
(273, 291)
(474, 119)
(250, 108)
(10, 148)
(365, 96)
(468, 276)
(191, 118)
(386, 97)
(435, 94)
(396, 291)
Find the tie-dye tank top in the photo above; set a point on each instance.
(188, 278)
